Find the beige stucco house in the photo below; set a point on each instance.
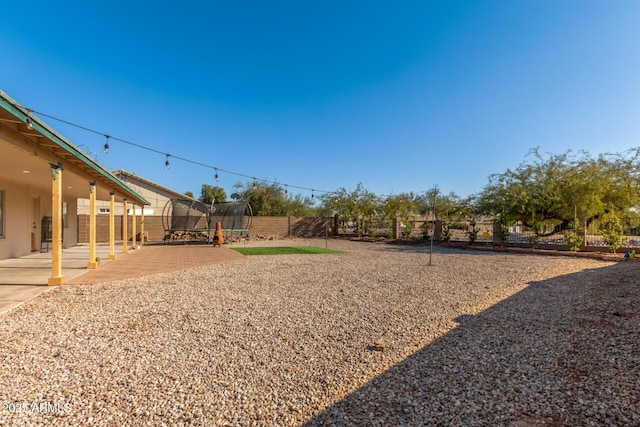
(156, 194)
(42, 175)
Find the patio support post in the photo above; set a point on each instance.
(112, 226)
(125, 232)
(142, 227)
(134, 243)
(93, 262)
(56, 232)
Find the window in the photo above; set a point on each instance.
(102, 211)
(1, 212)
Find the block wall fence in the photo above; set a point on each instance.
(261, 226)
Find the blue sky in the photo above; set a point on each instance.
(398, 96)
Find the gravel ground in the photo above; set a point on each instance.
(475, 339)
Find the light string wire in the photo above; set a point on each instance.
(184, 159)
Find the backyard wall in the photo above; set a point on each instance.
(261, 226)
(153, 229)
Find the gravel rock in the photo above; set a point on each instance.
(474, 339)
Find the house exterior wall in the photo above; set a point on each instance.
(70, 236)
(102, 207)
(17, 221)
(156, 196)
(24, 208)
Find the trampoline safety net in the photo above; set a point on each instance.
(193, 216)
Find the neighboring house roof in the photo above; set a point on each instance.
(133, 178)
(43, 142)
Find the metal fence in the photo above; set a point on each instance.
(550, 232)
(553, 233)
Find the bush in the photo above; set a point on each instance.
(574, 236)
(446, 232)
(371, 231)
(406, 228)
(472, 232)
(426, 227)
(503, 233)
(611, 231)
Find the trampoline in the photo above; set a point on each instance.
(192, 220)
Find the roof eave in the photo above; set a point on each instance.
(21, 113)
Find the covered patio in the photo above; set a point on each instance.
(42, 175)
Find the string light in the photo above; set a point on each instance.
(29, 124)
(286, 189)
(312, 195)
(106, 145)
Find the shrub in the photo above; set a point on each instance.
(371, 231)
(406, 228)
(503, 232)
(446, 232)
(426, 227)
(611, 231)
(574, 236)
(472, 232)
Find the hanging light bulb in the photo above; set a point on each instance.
(312, 195)
(286, 189)
(29, 122)
(254, 183)
(166, 163)
(106, 145)
(217, 178)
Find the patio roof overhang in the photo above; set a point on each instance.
(27, 157)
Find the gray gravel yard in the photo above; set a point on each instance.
(478, 338)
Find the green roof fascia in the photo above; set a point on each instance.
(12, 107)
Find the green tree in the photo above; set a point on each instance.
(265, 199)
(270, 199)
(188, 193)
(447, 206)
(402, 207)
(398, 206)
(557, 186)
(209, 193)
(351, 206)
(299, 205)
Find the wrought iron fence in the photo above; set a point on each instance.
(552, 232)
